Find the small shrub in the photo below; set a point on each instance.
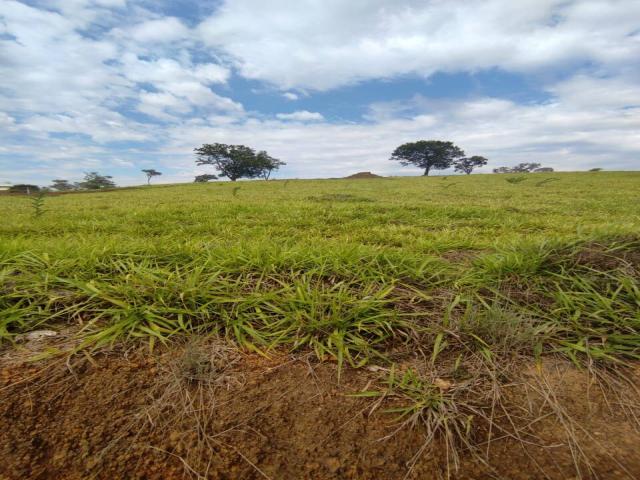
(518, 179)
(37, 204)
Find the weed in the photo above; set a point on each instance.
(235, 191)
(37, 204)
(515, 180)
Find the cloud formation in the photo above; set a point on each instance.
(119, 85)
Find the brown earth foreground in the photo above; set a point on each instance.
(207, 411)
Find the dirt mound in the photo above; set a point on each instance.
(212, 412)
(364, 175)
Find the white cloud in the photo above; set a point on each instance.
(301, 116)
(321, 45)
(168, 29)
(290, 96)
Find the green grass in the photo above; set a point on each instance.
(343, 267)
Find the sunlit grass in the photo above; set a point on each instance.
(333, 266)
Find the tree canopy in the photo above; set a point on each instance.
(427, 154)
(95, 181)
(204, 178)
(468, 164)
(150, 172)
(24, 188)
(62, 185)
(267, 164)
(520, 168)
(232, 161)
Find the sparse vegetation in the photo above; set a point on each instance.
(150, 173)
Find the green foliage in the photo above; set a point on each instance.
(24, 188)
(95, 181)
(150, 173)
(468, 164)
(521, 168)
(204, 178)
(62, 185)
(267, 164)
(237, 161)
(427, 154)
(37, 204)
(518, 179)
(482, 267)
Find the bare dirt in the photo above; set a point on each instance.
(364, 175)
(169, 415)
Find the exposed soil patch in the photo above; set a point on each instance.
(227, 415)
(364, 175)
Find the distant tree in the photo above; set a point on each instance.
(526, 167)
(95, 181)
(24, 188)
(597, 169)
(204, 178)
(150, 172)
(520, 168)
(468, 164)
(427, 154)
(62, 185)
(233, 161)
(543, 169)
(267, 164)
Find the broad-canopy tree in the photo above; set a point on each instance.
(24, 188)
(267, 164)
(520, 168)
(62, 185)
(150, 172)
(95, 181)
(205, 177)
(468, 164)
(232, 161)
(427, 154)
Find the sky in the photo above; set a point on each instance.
(330, 87)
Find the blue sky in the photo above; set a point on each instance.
(329, 87)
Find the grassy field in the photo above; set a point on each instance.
(325, 263)
(471, 271)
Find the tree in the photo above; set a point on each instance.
(543, 169)
(233, 161)
(24, 188)
(204, 178)
(520, 168)
(427, 154)
(62, 185)
(150, 172)
(467, 164)
(525, 167)
(267, 164)
(95, 181)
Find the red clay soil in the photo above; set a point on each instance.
(116, 415)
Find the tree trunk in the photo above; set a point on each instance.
(149, 181)
(426, 171)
